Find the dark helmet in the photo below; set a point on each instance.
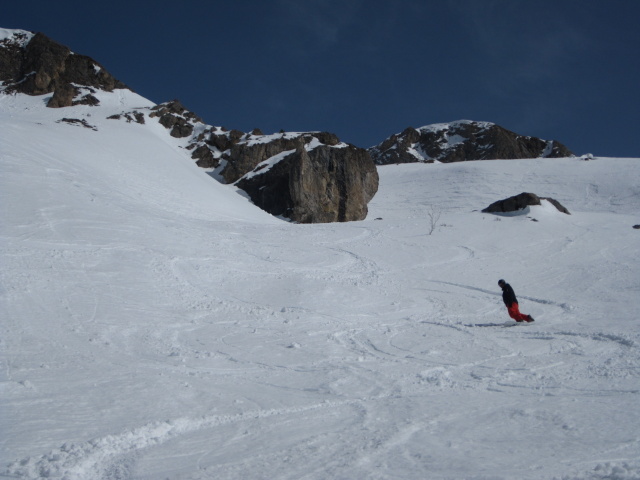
(501, 282)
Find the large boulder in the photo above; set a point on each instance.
(36, 65)
(461, 141)
(520, 202)
(314, 183)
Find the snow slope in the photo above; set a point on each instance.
(156, 325)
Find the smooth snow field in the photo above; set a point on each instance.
(156, 325)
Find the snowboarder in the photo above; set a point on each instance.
(510, 300)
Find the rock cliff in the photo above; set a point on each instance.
(35, 65)
(314, 182)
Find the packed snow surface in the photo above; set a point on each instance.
(156, 325)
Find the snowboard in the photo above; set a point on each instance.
(513, 323)
(508, 323)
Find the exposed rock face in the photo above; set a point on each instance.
(518, 202)
(307, 177)
(175, 117)
(36, 65)
(461, 141)
(245, 152)
(314, 183)
(244, 156)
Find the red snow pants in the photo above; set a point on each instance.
(514, 312)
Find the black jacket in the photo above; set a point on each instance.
(508, 295)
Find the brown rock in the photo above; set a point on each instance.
(44, 66)
(521, 201)
(462, 141)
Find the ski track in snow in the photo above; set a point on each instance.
(114, 456)
(157, 326)
(111, 456)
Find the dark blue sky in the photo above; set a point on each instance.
(561, 69)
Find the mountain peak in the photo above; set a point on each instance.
(435, 127)
(17, 37)
(36, 65)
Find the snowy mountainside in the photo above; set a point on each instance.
(122, 157)
(156, 324)
(304, 177)
(36, 65)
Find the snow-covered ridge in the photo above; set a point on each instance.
(438, 127)
(253, 139)
(16, 37)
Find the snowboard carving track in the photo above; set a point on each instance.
(111, 457)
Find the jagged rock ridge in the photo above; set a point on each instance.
(461, 141)
(34, 64)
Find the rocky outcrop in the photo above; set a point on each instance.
(133, 116)
(521, 201)
(308, 177)
(36, 65)
(242, 157)
(176, 118)
(462, 141)
(245, 152)
(314, 182)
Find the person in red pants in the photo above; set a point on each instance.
(510, 300)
